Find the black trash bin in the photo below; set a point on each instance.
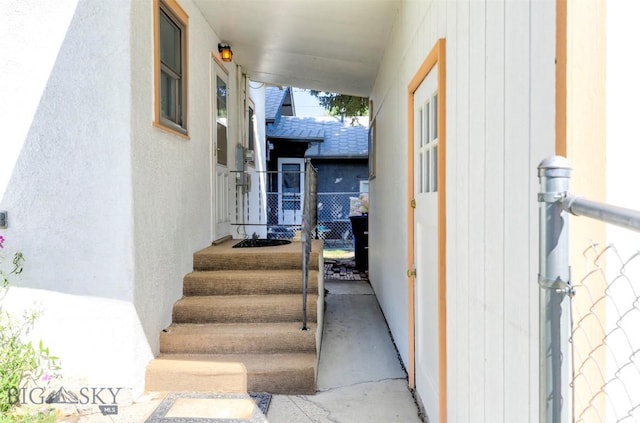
(360, 229)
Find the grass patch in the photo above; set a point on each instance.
(30, 415)
(337, 254)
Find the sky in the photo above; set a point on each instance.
(306, 104)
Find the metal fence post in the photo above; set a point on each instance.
(555, 291)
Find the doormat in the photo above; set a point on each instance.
(212, 408)
(260, 242)
(343, 270)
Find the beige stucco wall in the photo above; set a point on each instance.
(106, 208)
(66, 183)
(623, 149)
(171, 181)
(585, 138)
(600, 138)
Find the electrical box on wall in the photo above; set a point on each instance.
(241, 157)
(3, 220)
(243, 179)
(246, 187)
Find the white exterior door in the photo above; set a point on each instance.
(290, 191)
(221, 219)
(426, 242)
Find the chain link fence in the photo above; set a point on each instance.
(590, 327)
(284, 216)
(605, 337)
(278, 215)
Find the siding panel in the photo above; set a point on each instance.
(494, 210)
(517, 279)
(457, 309)
(541, 144)
(476, 278)
(460, 165)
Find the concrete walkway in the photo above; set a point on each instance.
(360, 378)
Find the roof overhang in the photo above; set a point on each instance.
(293, 139)
(327, 45)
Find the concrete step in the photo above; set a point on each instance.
(237, 328)
(238, 338)
(225, 257)
(244, 309)
(247, 282)
(290, 374)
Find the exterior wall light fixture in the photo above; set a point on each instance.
(225, 52)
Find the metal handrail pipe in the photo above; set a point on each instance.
(619, 216)
(309, 222)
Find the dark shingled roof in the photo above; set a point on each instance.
(297, 128)
(273, 98)
(336, 140)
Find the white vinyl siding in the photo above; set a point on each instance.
(500, 124)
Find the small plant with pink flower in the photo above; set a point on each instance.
(21, 363)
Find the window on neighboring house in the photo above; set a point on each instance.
(291, 186)
(171, 66)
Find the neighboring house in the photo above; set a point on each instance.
(337, 149)
(343, 173)
(342, 156)
(278, 102)
(109, 190)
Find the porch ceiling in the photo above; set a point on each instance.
(329, 45)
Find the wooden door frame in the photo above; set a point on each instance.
(436, 57)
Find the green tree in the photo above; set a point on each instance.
(342, 104)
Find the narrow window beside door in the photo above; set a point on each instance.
(221, 120)
(251, 137)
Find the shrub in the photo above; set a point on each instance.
(21, 363)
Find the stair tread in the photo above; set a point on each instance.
(238, 328)
(249, 273)
(247, 282)
(225, 362)
(243, 308)
(238, 338)
(281, 257)
(230, 303)
(283, 373)
(249, 300)
(226, 302)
